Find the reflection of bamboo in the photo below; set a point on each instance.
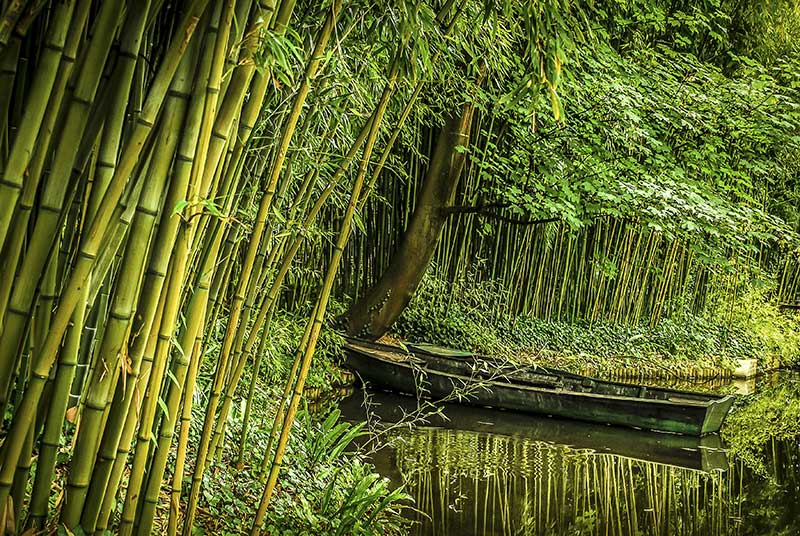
(520, 486)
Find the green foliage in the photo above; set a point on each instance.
(772, 414)
(669, 115)
(654, 136)
(279, 54)
(280, 348)
(456, 315)
(684, 339)
(328, 488)
(327, 440)
(778, 332)
(719, 32)
(328, 492)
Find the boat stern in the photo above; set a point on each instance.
(715, 415)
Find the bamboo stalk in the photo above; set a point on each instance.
(240, 359)
(23, 146)
(119, 434)
(51, 205)
(122, 307)
(316, 321)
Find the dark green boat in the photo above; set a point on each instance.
(439, 373)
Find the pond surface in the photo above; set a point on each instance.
(484, 472)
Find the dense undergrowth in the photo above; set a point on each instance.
(286, 331)
(759, 420)
(455, 315)
(329, 488)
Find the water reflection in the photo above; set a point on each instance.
(476, 483)
(484, 472)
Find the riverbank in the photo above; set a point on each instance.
(329, 488)
(313, 496)
(686, 346)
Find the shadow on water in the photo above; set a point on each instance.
(486, 472)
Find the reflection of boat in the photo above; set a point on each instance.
(440, 373)
(691, 452)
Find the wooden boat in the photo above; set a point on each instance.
(427, 371)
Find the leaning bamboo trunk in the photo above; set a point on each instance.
(183, 439)
(11, 15)
(269, 302)
(117, 438)
(94, 405)
(93, 240)
(229, 111)
(181, 259)
(22, 149)
(14, 243)
(319, 314)
(240, 358)
(52, 202)
(193, 334)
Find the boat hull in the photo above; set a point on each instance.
(414, 376)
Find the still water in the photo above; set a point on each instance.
(483, 472)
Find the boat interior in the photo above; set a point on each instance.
(486, 367)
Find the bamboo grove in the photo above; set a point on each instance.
(174, 172)
(589, 249)
(162, 165)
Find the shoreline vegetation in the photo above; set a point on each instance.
(304, 503)
(686, 346)
(770, 410)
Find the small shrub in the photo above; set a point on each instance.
(777, 332)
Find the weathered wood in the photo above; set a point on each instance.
(557, 393)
